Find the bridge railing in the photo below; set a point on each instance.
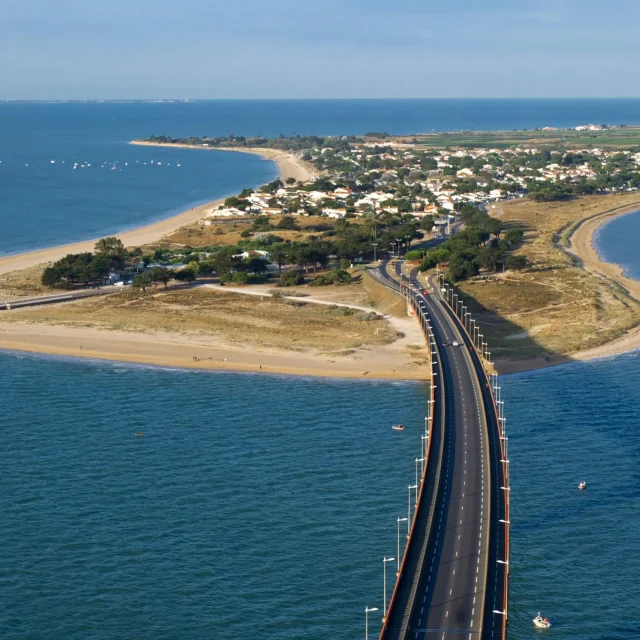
(432, 344)
(457, 307)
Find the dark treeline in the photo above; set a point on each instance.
(483, 244)
(287, 143)
(86, 268)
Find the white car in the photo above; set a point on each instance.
(455, 343)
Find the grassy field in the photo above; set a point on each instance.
(609, 138)
(233, 318)
(26, 282)
(364, 292)
(553, 308)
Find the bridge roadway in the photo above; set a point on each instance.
(442, 590)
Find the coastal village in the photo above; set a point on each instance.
(360, 180)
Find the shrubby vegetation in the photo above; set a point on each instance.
(336, 276)
(481, 245)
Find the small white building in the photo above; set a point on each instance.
(228, 212)
(253, 253)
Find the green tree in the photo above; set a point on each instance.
(185, 275)
(232, 201)
(261, 222)
(414, 256)
(516, 263)
(111, 247)
(279, 253)
(255, 265)
(488, 258)
(240, 277)
(159, 274)
(224, 261)
(142, 281)
(514, 236)
(287, 222)
(290, 278)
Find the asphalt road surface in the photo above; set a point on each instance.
(447, 597)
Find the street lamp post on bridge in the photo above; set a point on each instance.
(384, 588)
(398, 557)
(367, 611)
(421, 461)
(411, 487)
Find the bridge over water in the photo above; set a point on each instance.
(453, 580)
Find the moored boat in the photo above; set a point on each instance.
(540, 622)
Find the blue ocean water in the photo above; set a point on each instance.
(65, 205)
(574, 554)
(114, 187)
(263, 504)
(617, 242)
(266, 504)
(252, 505)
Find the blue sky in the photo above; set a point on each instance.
(75, 49)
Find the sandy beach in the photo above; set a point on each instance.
(288, 166)
(582, 246)
(178, 350)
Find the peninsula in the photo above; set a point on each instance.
(523, 216)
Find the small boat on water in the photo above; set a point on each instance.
(139, 434)
(398, 427)
(540, 622)
(582, 485)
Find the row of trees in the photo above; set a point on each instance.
(86, 268)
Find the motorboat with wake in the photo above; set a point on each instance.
(540, 622)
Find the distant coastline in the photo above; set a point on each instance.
(289, 165)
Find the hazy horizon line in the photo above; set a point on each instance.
(309, 99)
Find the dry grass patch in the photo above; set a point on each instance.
(25, 282)
(265, 322)
(554, 307)
(383, 299)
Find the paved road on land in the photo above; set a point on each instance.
(18, 303)
(449, 597)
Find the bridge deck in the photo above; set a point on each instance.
(455, 590)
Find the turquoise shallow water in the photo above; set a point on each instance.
(263, 505)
